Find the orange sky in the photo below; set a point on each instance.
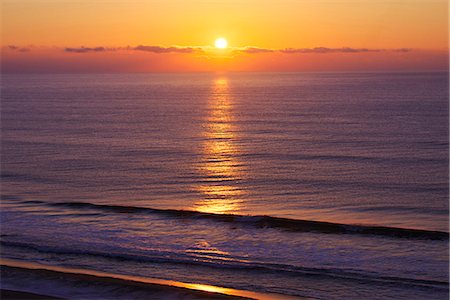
(356, 35)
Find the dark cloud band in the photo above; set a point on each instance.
(172, 49)
(319, 50)
(16, 48)
(85, 49)
(198, 49)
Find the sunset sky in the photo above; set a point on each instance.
(264, 35)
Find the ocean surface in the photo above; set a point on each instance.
(320, 185)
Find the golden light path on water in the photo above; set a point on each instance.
(219, 165)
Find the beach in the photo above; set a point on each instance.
(50, 282)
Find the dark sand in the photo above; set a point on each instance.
(25, 280)
(90, 286)
(16, 295)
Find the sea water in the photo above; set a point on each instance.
(322, 185)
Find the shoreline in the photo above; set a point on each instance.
(101, 281)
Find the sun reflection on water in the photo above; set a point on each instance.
(219, 167)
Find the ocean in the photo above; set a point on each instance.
(313, 185)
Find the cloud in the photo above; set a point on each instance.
(152, 49)
(319, 50)
(251, 49)
(328, 50)
(402, 50)
(16, 48)
(172, 49)
(86, 49)
(206, 49)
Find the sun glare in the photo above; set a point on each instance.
(221, 43)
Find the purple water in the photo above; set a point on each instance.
(359, 149)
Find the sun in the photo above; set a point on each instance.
(221, 43)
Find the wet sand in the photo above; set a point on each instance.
(37, 281)
(17, 295)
